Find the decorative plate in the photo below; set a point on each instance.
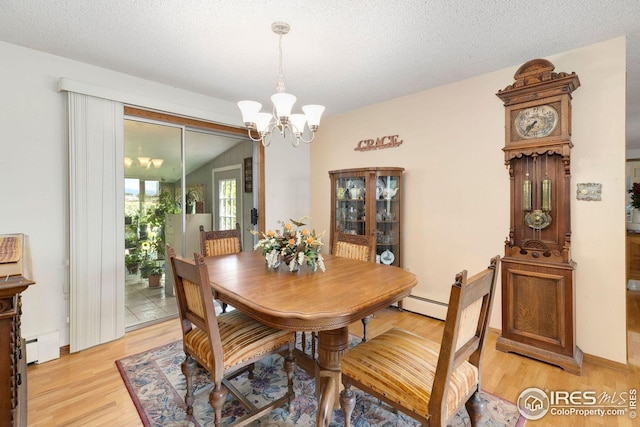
(387, 257)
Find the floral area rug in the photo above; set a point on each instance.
(157, 387)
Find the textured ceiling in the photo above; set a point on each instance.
(343, 54)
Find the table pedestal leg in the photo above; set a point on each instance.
(332, 345)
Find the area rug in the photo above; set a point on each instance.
(157, 388)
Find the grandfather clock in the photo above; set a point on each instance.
(538, 274)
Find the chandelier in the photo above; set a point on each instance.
(281, 119)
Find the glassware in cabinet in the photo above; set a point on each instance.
(368, 201)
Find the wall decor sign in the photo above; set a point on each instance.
(589, 191)
(379, 143)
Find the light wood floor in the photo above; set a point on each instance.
(85, 389)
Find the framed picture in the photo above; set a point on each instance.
(248, 175)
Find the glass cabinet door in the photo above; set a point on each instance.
(351, 214)
(387, 219)
(367, 201)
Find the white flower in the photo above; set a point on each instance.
(320, 262)
(272, 258)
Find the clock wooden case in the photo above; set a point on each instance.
(538, 274)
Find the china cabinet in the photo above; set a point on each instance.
(369, 201)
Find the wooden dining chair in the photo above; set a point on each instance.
(356, 246)
(220, 242)
(427, 381)
(223, 344)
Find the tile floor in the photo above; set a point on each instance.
(144, 304)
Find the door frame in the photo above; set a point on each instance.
(239, 201)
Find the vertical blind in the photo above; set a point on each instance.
(96, 220)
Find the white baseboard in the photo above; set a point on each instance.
(43, 348)
(425, 306)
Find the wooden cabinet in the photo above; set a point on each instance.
(13, 378)
(538, 317)
(633, 256)
(369, 201)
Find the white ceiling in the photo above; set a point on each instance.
(342, 54)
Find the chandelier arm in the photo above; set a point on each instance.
(313, 135)
(266, 139)
(252, 138)
(276, 124)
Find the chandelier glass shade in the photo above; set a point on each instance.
(145, 162)
(280, 119)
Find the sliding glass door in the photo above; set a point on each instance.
(169, 194)
(153, 166)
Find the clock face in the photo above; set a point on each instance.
(536, 122)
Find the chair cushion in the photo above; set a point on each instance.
(242, 339)
(401, 366)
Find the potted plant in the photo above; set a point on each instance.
(132, 260)
(635, 202)
(151, 270)
(147, 265)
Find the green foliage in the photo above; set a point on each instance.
(132, 260)
(150, 268)
(635, 195)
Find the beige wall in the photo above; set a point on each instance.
(456, 186)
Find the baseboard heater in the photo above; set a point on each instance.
(43, 348)
(426, 306)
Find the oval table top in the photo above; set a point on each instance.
(347, 291)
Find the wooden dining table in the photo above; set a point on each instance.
(306, 301)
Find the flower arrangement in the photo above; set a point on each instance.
(295, 246)
(635, 195)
